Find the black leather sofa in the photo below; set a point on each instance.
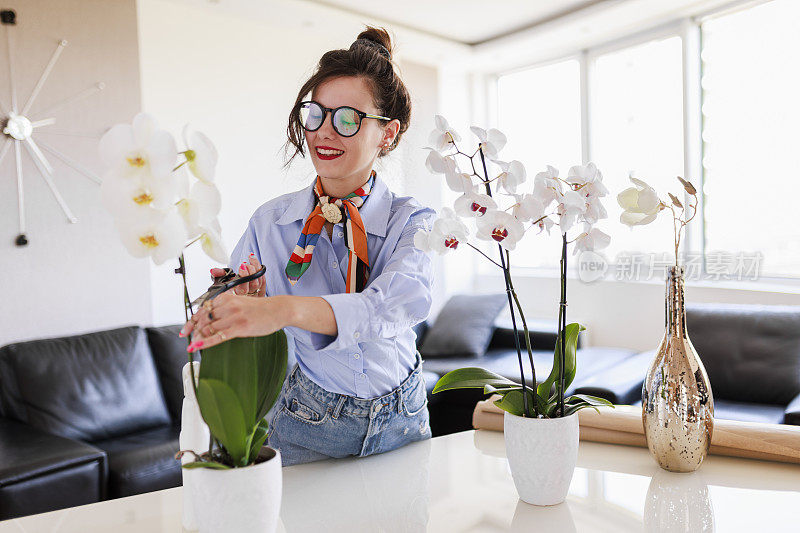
(751, 354)
(89, 417)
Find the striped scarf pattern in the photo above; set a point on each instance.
(355, 236)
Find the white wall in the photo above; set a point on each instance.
(236, 78)
(71, 278)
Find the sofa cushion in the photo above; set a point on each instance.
(170, 356)
(40, 472)
(85, 387)
(751, 352)
(143, 461)
(464, 326)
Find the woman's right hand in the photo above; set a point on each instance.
(257, 287)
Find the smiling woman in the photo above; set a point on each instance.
(357, 388)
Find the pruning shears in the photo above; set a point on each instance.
(226, 282)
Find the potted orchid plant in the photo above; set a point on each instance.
(541, 426)
(676, 387)
(163, 201)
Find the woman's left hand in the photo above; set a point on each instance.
(230, 315)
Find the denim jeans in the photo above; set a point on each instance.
(311, 423)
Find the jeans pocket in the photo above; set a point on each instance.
(415, 399)
(305, 408)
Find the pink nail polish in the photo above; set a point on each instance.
(194, 346)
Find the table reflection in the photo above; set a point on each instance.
(620, 488)
(385, 492)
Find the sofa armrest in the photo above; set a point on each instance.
(41, 472)
(792, 413)
(620, 384)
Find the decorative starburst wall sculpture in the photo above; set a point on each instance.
(19, 128)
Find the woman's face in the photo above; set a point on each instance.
(344, 173)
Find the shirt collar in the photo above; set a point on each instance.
(374, 212)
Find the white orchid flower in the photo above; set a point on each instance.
(200, 208)
(439, 164)
(201, 154)
(211, 242)
(570, 206)
(591, 240)
(139, 150)
(640, 204)
(492, 141)
(595, 210)
(448, 231)
(137, 196)
(546, 186)
(474, 204)
(545, 224)
(162, 235)
(528, 207)
(513, 174)
(501, 227)
(461, 182)
(443, 135)
(588, 179)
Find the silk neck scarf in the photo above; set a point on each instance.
(355, 236)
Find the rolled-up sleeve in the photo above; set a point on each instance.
(398, 298)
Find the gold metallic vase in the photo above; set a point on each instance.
(677, 404)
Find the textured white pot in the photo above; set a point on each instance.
(541, 453)
(241, 500)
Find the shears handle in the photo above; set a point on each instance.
(227, 282)
(238, 281)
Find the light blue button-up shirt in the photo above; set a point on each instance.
(375, 348)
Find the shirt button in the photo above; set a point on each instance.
(363, 376)
(357, 356)
(356, 335)
(341, 234)
(334, 264)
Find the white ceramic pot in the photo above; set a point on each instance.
(244, 500)
(541, 453)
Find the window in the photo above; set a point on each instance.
(637, 126)
(539, 109)
(751, 109)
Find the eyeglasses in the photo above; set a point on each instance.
(346, 120)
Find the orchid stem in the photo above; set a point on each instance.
(484, 255)
(507, 276)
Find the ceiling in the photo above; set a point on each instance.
(472, 35)
(466, 21)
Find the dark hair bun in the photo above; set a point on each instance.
(375, 37)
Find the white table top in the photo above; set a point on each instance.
(461, 482)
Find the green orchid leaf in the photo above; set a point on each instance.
(225, 418)
(470, 378)
(576, 402)
(513, 403)
(592, 400)
(254, 368)
(571, 347)
(257, 439)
